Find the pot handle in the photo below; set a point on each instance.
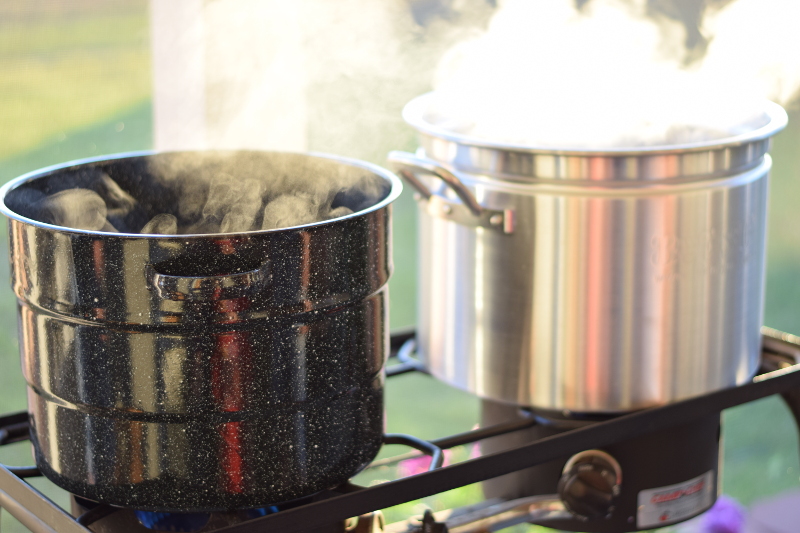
(407, 164)
(207, 288)
(467, 213)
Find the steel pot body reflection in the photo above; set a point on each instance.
(209, 371)
(589, 281)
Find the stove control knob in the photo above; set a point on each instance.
(590, 484)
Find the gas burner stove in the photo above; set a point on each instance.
(355, 508)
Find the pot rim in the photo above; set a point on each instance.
(394, 192)
(414, 115)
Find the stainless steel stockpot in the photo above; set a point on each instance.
(589, 281)
(203, 372)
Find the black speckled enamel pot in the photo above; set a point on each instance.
(203, 372)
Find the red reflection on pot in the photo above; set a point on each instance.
(229, 363)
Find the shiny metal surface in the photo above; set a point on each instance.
(409, 163)
(206, 371)
(467, 212)
(632, 279)
(618, 166)
(206, 288)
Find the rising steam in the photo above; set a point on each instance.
(610, 74)
(200, 193)
(551, 73)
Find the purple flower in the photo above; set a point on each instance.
(726, 516)
(475, 451)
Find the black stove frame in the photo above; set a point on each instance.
(779, 374)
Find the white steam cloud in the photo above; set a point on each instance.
(610, 74)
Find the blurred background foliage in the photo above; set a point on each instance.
(76, 82)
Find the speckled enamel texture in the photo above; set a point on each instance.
(204, 372)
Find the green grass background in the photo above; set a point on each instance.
(75, 82)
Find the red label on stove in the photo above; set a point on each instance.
(665, 505)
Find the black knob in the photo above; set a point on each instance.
(590, 484)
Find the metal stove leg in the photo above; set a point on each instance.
(34, 510)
